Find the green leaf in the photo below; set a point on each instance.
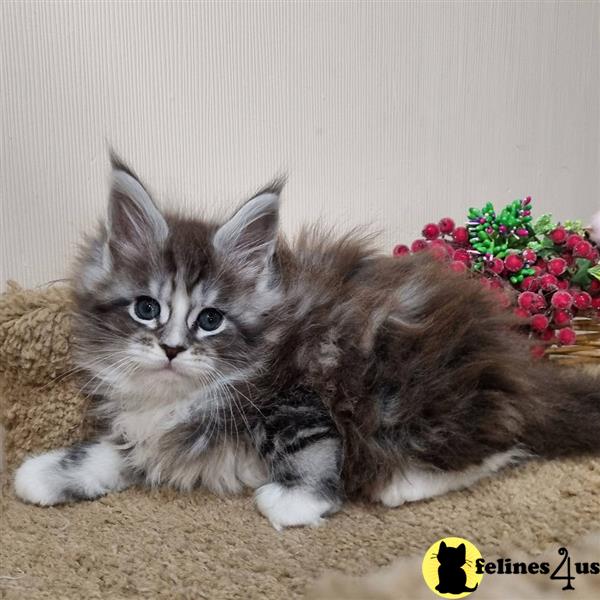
(534, 245)
(575, 227)
(547, 253)
(583, 263)
(594, 272)
(581, 276)
(544, 225)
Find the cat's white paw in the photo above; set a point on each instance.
(290, 506)
(84, 471)
(37, 480)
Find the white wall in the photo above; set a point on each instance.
(390, 113)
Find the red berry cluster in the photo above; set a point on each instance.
(549, 296)
(445, 241)
(450, 243)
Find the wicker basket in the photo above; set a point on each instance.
(587, 348)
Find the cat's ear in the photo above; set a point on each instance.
(250, 235)
(442, 546)
(134, 221)
(462, 550)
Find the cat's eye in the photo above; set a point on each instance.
(209, 319)
(146, 308)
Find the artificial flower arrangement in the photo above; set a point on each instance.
(548, 272)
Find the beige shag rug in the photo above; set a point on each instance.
(164, 544)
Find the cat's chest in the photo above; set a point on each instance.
(148, 426)
(180, 446)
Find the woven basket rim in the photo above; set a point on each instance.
(587, 347)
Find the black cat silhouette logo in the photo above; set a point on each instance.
(449, 568)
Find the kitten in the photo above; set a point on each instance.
(221, 355)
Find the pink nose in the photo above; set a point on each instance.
(172, 351)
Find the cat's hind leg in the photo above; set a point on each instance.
(82, 472)
(414, 483)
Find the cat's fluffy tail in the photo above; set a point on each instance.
(568, 419)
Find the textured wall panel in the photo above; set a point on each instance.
(383, 113)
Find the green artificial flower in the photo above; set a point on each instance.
(544, 225)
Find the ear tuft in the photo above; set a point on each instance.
(275, 186)
(118, 164)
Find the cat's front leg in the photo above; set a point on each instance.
(84, 471)
(303, 451)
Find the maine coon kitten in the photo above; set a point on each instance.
(220, 355)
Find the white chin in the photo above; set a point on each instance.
(170, 375)
(159, 377)
(176, 370)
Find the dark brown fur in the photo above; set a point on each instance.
(451, 385)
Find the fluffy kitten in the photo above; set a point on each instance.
(220, 355)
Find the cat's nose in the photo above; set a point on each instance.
(172, 351)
